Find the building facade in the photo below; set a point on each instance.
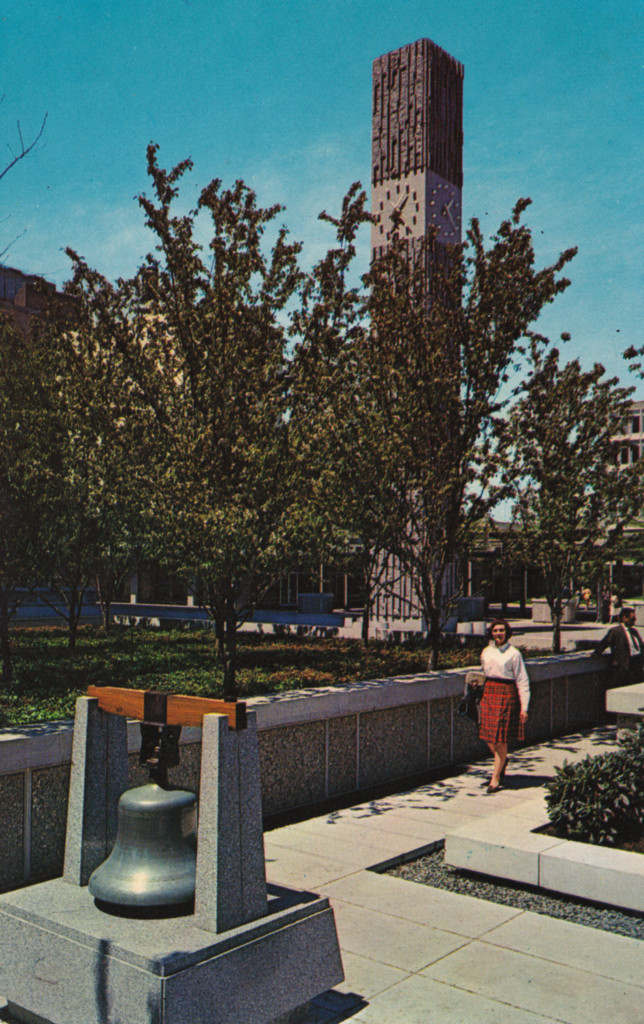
(25, 296)
(632, 446)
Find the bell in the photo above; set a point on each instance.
(153, 862)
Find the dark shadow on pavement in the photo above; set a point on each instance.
(332, 1007)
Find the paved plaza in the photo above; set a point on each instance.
(417, 955)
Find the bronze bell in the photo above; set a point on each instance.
(153, 862)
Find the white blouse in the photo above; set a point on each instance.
(506, 662)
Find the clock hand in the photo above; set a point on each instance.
(447, 212)
(402, 202)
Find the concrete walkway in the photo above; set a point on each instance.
(417, 955)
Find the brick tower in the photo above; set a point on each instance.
(417, 144)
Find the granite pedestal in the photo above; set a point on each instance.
(64, 960)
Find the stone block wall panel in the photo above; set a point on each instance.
(466, 743)
(585, 700)
(538, 726)
(392, 744)
(559, 698)
(12, 830)
(440, 731)
(293, 764)
(49, 791)
(342, 755)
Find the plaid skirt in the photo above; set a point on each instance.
(500, 708)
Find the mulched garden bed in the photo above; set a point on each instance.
(431, 870)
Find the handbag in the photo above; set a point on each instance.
(468, 707)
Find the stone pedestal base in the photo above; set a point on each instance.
(62, 960)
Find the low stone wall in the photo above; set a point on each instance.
(313, 745)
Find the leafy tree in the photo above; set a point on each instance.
(445, 335)
(336, 426)
(19, 518)
(572, 499)
(88, 449)
(203, 340)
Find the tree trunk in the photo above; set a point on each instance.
(74, 608)
(72, 634)
(366, 619)
(230, 662)
(434, 639)
(556, 612)
(225, 620)
(105, 602)
(370, 578)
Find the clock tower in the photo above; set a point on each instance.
(417, 145)
(416, 177)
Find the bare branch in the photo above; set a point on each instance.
(24, 150)
(3, 252)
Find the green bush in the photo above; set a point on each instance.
(601, 799)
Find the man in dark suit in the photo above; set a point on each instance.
(626, 648)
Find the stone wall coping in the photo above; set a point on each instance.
(50, 743)
(379, 694)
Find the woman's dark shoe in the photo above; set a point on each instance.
(494, 789)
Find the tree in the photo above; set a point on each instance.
(203, 344)
(445, 335)
(88, 446)
(336, 426)
(572, 499)
(20, 527)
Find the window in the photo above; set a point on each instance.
(635, 425)
(623, 456)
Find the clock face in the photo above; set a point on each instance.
(409, 206)
(398, 205)
(444, 208)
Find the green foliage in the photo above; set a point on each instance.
(571, 498)
(21, 521)
(400, 381)
(203, 341)
(600, 799)
(436, 360)
(50, 679)
(344, 459)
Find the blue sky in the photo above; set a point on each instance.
(279, 94)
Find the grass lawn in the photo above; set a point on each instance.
(48, 677)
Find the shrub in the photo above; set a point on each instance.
(601, 799)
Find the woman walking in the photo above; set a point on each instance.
(504, 707)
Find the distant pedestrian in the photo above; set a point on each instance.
(626, 650)
(615, 606)
(504, 707)
(586, 594)
(605, 605)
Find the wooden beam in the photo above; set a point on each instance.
(181, 710)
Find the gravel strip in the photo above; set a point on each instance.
(432, 870)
